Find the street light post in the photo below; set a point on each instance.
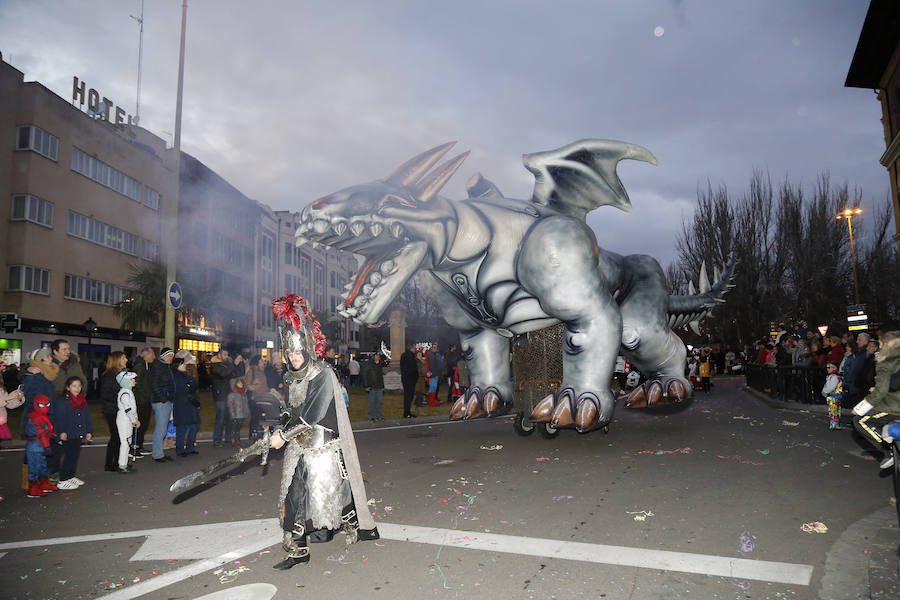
(90, 325)
(849, 213)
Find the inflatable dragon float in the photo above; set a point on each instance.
(501, 267)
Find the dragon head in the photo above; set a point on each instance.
(399, 224)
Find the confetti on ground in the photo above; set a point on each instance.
(790, 423)
(814, 527)
(641, 515)
(738, 458)
(229, 575)
(542, 458)
(494, 447)
(748, 542)
(766, 451)
(684, 450)
(558, 498)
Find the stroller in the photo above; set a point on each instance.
(265, 410)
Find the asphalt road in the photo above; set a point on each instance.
(708, 502)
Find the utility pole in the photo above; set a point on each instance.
(137, 108)
(172, 213)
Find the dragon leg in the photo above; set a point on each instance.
(558, 264)
(485, 351)
(647, 340)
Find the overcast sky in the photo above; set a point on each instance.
(289, 100)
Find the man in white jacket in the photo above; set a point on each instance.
(126, 418)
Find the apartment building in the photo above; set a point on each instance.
(81, 194)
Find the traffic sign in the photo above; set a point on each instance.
(823, 329)
(174, 296)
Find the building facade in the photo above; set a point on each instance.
(876, 66)
(81, 194)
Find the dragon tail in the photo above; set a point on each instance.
(684, 310)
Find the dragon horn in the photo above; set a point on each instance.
(410, 171)
(704, 280)
(432, 183)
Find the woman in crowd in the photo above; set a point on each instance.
(186, 409)
(109, 393)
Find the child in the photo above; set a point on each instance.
(37, 431)
(73, 425)
(186, 407)
(833, 391)
(704, 368)
(14, 399)
(238, 407)
(126, 418)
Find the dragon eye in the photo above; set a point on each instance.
(387, 198)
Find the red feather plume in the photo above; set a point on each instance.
(286, 308)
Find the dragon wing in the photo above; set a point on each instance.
(580, 177)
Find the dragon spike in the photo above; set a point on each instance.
(695, 327)
(432, 183)
(704, 279)
(412, 170)
(691, 290)
(716, 274)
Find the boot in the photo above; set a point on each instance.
(432, 399)
(34, 490)
(45, 485)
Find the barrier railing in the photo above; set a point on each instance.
(790, 384)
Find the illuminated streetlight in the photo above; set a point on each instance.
(849, 213)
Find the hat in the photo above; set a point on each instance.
(165, 352)
(186, 356)
(40, 354)
(121, 377)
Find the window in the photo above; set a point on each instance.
(319, 280)
(151, 196)
(304, 266)
(34, 138)
(333, 306)
(149, 250)
(334, 282)
(114, 179)
(268, 246)
(103, 234)
(288, 289)
(264, 318)
(288, 253)
(26, 207)
(25, 278)
(91, 290)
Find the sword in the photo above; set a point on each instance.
(261, 447)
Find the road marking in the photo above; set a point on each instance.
(269, 534)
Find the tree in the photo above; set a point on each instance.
(144, 308)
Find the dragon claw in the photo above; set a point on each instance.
(655, 393)
(563, 409)
(477, 403)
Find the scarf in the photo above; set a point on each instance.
(77, 402)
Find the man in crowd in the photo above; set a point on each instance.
(162, 394)
(222, 370)
(852, 366)
(275, 374)
(373, 380)
(450, 361)
(143, 396)
(409, 374)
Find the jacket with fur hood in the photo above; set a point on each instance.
(887, 363)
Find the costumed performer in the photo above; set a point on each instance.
(321, 484)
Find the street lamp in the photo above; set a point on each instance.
(849, 213)
(90, 325)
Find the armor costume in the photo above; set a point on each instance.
(321, 485)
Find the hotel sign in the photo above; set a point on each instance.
(97, 104)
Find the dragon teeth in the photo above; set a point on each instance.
(321, 225)
(340, 227)
(375, 229)
(397, 230)
(375, 278)
(368, 289)
(388, 267)
(351, 311)
(356, 228)
(360, 301)
(344, 295)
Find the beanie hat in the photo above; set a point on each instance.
(165, 352)
(40, 354)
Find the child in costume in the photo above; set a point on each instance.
(73, 426)
(833, 390)
(126, 418)
(37, 433)
(321, 483)
(13, 399)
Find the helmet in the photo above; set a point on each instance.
(300, 332)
